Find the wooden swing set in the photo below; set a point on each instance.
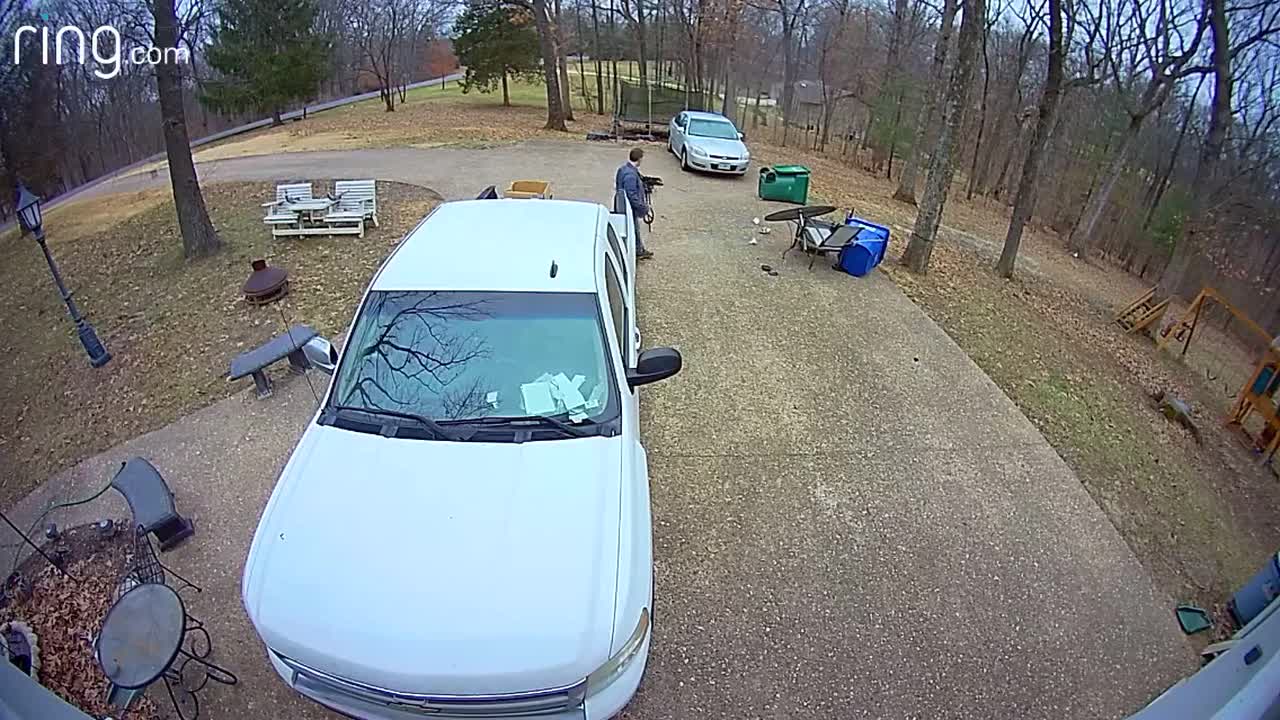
(1258, 393)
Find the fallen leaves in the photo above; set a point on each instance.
(67, 614)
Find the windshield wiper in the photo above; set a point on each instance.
(422, 420)
(551, 421)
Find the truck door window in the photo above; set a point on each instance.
(617, 307)
(616, 245)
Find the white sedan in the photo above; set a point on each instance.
(707, 141)
(464, 526)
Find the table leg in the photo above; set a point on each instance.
(181, 681)
(185, 702)
(795, 240)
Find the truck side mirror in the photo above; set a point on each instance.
(653, 365)
(321, 354)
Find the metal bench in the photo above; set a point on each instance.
(289, 344)
(151, 502)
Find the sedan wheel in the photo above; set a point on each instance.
(684, 160)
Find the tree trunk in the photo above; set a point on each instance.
(1190, 244)
(941, 160)
(506, 94)
(198, 236)
(828, 113)
(1025, 202)
(582, 63)
(893, 138)
(595, 30)
(276, 121)
(661, 44)
(982, 114)
(1082, 234)
(998, 185)
(642, 48)
(562, 60)
(788, 77)
(906, 191)
(1009, 106)
(550, 59)
(730, 106)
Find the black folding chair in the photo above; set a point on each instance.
(821, 241)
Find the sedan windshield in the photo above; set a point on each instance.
(458, 356)
(713, 129)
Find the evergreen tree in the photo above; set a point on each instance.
(495, 42)
(267, 53)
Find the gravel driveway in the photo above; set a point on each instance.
(851, 520)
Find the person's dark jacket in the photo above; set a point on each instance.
(628, 181)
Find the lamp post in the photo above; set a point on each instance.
(29, 217)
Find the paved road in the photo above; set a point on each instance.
(87, 189)
(851, 520)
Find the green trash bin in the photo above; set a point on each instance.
(788, 183)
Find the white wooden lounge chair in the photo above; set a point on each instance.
(279, 217)
(357, 202)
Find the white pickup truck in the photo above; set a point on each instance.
(463, 529)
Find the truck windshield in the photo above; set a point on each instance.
(713, 129)
(456, 356)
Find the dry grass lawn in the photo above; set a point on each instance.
(430, 117)
(171, 325)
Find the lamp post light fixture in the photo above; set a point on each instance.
(29, 217)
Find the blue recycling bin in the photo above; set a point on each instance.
(867, 249)
(1255, 596)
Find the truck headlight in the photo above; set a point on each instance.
(614, 666)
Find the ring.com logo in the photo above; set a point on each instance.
(103, 44)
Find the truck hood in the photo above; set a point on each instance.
(440, 567)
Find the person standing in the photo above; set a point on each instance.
(629, 181)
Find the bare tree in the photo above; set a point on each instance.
(941, 159)
(906, 191)
(198, 236)
(595, 52)
(635, 13)
(791, 15)
(562, 60)
(1046, 115)
(1206, 178)
(834, 26)
(1162, 43)
(1097, 33)
(544, 17)
(1009, 104)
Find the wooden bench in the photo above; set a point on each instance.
(278, 217)
(357, 202)
(285, 345)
